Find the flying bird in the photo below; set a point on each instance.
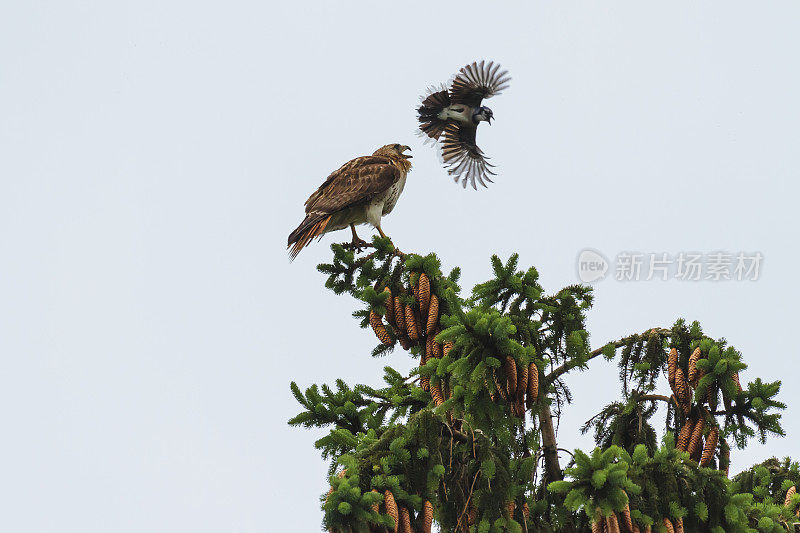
(360, 192)
(451, 117)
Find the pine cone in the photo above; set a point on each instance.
(598, 521)
(693, 379)
(391, 508)
(437, 348)
(404, 341)
(399, 314)
(472, 515)
(433, 315)
(696, 441)
(526, 511)
(405, 521)
(379, 329)
(735, 377)
(682, 391)
(627, 523)
(672, 365)
(425, 381)
(447, 347)
(789, 493)
(511, 376)
(389, 304)
(678, 523)
(533, 384)
(427, 517)
(522, 386)
(612, 524)
(411, 323)
(510, 507)
(710, 447)
(668, 525)
(636, 529)
(500, 390)
(436, 393)
(724, 457)
(685, 434)
(424, 293)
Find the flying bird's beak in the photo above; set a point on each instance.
(403, 149)
(489, 120)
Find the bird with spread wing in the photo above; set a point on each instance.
(451, 117)
(361, 191)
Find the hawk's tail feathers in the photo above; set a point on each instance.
(433, 103)
(312, 226)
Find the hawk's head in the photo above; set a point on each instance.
(395, 151)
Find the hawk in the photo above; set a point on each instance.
(361, 191)
(451, 116)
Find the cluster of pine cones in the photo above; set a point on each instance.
(690, 438)
(622, 522)
(419, 324)
(405, 521)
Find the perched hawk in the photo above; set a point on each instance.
(360, 192)
(456, 113)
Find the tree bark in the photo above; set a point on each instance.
(552, 468)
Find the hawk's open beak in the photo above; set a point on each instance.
(403, 149)
(489, 120)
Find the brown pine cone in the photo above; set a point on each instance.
(376, 506)
(598, 521)
(389, 304)
(692, 376)
(526, 511)
(678, 523)
(533, 385)
(411, 323)
(636, 528)
(437, 348)
(500, 390)
(399, 314)
(433, 315)
(391, 508)
(789, 493)
(447, 347)
(472, 515)
(696, 440)
(627, 523)
(668, 525)
(510, 507)
(612, 524)
(404, 341)
(511, 376)
(424, 293)
(735, 377)
(672, 366)
(427, 517)
(424, 381)
(436, 393)
(405, 521)
(682, 391)
(522, 386)
(379, 329)
(684, 435)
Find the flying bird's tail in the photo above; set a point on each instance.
(312, 226)
(434, 103)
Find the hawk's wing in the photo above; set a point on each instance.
(477, 81)
(357, 180)
(462, 157)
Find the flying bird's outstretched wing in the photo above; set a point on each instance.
(462, 157)
(477, 81)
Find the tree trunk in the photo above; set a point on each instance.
(552, 468)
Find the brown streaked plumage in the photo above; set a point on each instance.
(360, 192)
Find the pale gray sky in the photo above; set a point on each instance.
(155, 155)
